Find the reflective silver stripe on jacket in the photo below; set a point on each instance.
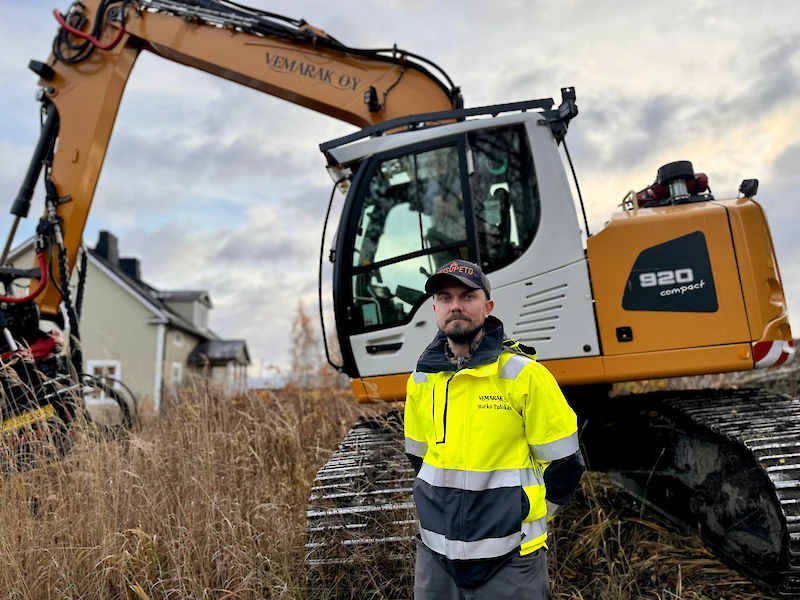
(420, 377)
(514, 366)
(557, 449)
(458, 550)
(477, 481)
(552, 508)
(538, 477)
(416, 448)
(534, 529)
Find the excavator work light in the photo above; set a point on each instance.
(371, 100)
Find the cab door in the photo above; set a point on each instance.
(409, 214)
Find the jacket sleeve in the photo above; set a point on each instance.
(416, 446)
(551, 429)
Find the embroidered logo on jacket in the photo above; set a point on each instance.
(493, 403)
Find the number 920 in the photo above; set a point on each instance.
(658, 278)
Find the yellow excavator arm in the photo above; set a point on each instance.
(96, 47)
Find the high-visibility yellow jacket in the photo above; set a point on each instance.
(486, 435)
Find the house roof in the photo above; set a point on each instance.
(186, 296)
(220, 352)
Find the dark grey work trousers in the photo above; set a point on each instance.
(521, 578)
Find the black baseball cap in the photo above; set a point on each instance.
(459, 271)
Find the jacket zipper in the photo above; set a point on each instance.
(444, 416)
(433, 409)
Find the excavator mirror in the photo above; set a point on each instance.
(749, 188)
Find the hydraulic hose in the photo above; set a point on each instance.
(83, 35)
(42, 283)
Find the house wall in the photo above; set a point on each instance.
(231, 376)
(114, 327)
(220, 375)
(174, 353)
(201, 316)
(184, 309)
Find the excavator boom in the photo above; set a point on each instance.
(99, 41)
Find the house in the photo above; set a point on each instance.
(152, 340)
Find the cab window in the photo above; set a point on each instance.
(412, 221)
(505, 194)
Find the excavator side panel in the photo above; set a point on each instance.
(767, 314)
(667, 279)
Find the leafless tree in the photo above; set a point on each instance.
(305, 347)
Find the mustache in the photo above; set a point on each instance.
(456, 317)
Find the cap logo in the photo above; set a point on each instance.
(454, 267)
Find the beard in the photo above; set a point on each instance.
(462, 333)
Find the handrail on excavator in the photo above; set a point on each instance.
(419, 121)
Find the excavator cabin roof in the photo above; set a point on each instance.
(423, 127)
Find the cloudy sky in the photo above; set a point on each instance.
(214, 186)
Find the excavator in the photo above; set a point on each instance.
(677, 283)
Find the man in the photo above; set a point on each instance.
(495, 447)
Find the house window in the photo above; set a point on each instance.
(177, 338)
(176, 374)
(107, 371)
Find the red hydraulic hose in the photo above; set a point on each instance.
(42, 283)
(93, 41)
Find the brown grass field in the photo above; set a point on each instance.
(208, 501)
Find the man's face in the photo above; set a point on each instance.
(460, 311)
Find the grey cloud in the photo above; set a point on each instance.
(655, 124)
(778, 194)
(634, 128)
(267, 246)
(767, 78)
(171, 255)
(170, 169)
(621, 133)
(207, 159)
(230, 147)
(788, 163)
(261, 311)
(774, 79)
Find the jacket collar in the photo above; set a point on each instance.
(433, 359)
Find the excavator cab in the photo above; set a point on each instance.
(473, 189)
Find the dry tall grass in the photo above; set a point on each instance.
(208, 501)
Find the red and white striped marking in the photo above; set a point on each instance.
(772, 354)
